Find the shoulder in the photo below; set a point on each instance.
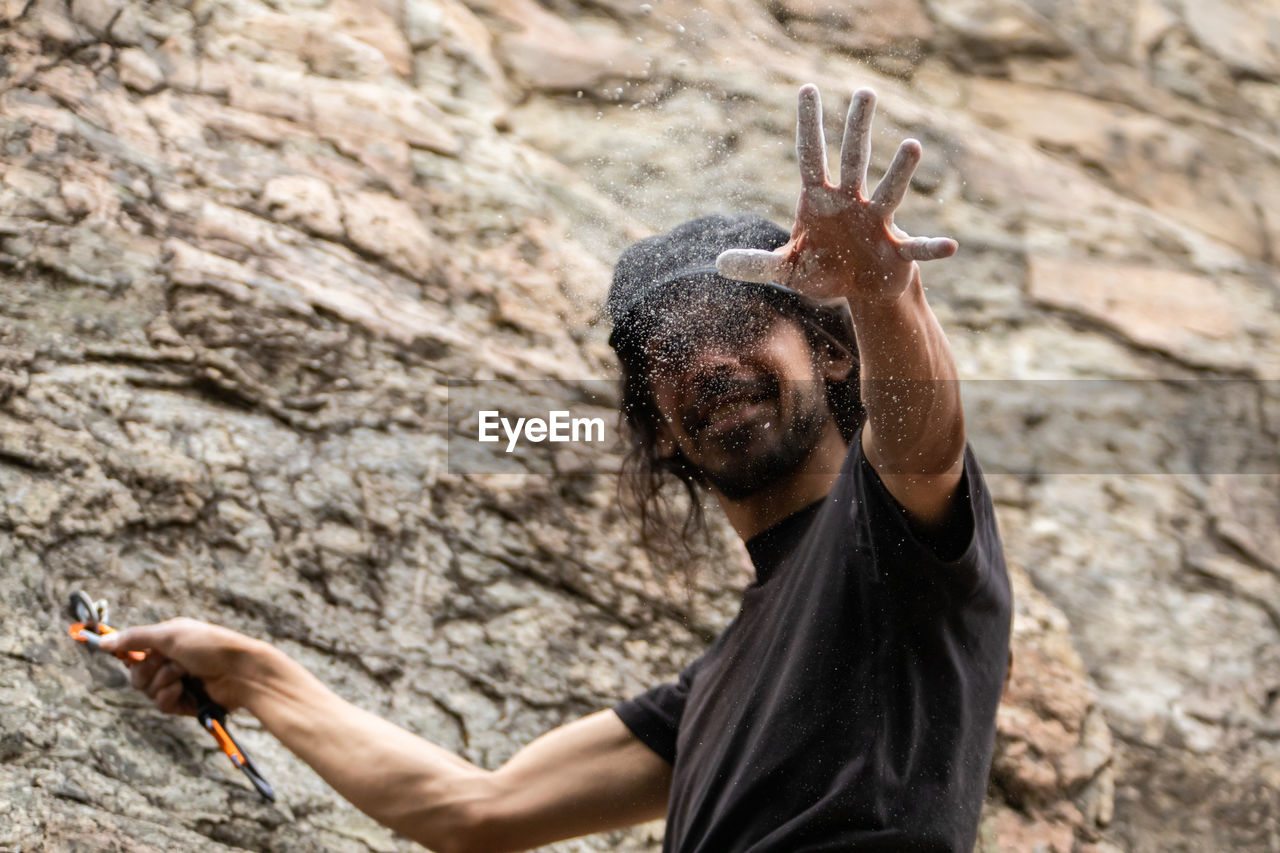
(961, 552)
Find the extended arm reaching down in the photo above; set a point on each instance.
(588, 776)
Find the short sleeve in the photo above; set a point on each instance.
(953, 564)
(654, 716)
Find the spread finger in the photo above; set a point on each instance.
(893, 187)
(855, 149)
(811, 145)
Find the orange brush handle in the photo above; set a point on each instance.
(224, 740)
(80, 633)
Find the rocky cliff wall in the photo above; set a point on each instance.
(246, 246)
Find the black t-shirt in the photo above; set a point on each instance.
(851, 703)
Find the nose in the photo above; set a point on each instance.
(711, 361)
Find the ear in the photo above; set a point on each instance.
(666, 442)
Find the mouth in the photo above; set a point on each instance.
(731, 415)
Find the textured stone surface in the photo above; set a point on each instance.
(244, 246)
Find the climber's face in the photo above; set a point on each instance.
(740, 390)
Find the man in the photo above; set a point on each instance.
(851, 703)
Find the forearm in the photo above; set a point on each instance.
(403, 781)
(909, 384)
(587, 776)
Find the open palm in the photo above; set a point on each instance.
(843, 243)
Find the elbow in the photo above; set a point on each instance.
(453, 821)
(938, 450)
(486, 823)
(461, 833)
(474, 821)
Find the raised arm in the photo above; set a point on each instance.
(845, 244)
(588, 776)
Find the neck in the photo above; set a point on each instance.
(810, 481)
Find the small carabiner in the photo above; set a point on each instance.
(91, 625)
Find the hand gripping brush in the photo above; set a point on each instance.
(91, 626)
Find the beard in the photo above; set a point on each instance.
(758, 454)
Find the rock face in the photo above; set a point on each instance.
(246, 248)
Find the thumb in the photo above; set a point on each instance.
(928, 248)
(750, 265)
(157, 637)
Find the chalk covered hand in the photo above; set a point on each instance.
(843, 243)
